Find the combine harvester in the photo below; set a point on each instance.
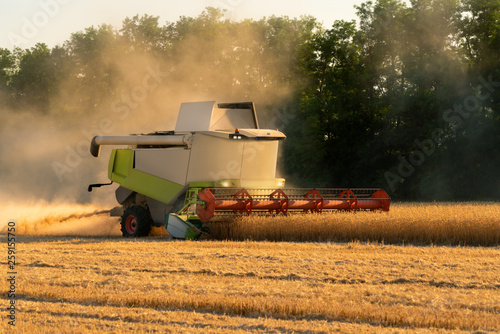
(217, 162)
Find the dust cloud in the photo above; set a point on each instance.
(59, 219)
(123, 88)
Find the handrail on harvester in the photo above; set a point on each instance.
(246, 201)
(174, 140)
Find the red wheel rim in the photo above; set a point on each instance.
(131, 224)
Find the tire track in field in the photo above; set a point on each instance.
(163, 273)
(96, 313)
(331, 280)
(261, 307)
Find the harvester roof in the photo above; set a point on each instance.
(209, 116)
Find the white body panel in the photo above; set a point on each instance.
(259, 160)
(168, 163)
(194, 116)
(213, 157)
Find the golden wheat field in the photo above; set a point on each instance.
(83, 281)
(152, 285)
(473, 223)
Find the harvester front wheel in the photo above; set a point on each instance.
(136, 222)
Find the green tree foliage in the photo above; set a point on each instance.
(418, 75)
(476, 155)
(402, 102)
(144, 34)
(92, 54)
(34, 81)
(337, 123)
(6, 65)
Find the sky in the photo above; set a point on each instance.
(23, 23)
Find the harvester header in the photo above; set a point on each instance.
(216, 162)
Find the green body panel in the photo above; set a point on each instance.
(120, 170)
(201, 184)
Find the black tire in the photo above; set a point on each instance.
(136, 222)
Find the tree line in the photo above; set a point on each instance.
(407, 98)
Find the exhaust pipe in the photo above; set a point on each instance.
(174, 140)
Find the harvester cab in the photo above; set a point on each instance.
(216, 162)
